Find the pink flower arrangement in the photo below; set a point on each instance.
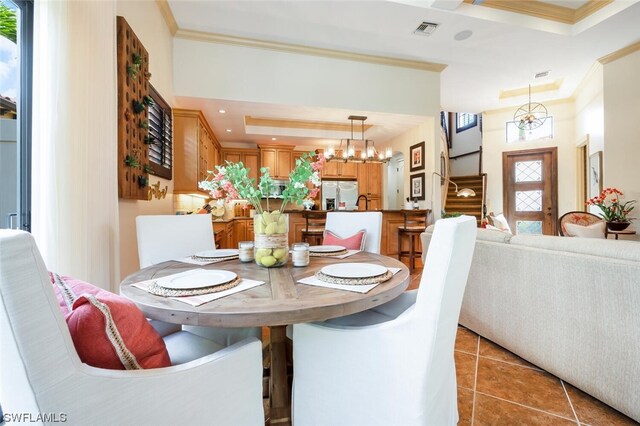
(611, 205)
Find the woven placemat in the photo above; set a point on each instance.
(324, 254)
(158, 290)
(213, 259)
(354, 281)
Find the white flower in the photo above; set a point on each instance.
(315, 179)
(298, 185)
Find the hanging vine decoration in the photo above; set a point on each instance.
(138, 106)
(134, 68)
(143, 181)
(148, 101)
(143, 124)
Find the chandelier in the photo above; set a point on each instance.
(530, 116)
(352, 153)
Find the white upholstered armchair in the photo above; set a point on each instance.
(393, 364)
(42, 373)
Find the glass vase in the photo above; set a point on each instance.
(271, 243)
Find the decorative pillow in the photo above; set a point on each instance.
(354, 242)
(501, 223)
(592, 231)
(108, 331)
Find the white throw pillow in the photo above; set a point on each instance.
(501, 223)
(592, 231)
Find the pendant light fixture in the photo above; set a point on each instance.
(530, 116)
(367, 153)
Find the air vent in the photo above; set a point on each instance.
(426, 28)
(542, 74)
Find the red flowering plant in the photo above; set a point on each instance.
(232, 182)
(612, 206)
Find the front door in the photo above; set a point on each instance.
(530, 190)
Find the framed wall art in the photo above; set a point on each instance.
(417, 186)
(416, 153)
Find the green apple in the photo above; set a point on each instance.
(258, 227)
(282, 220)
(267, 218)
(260, 253)
(271, 228)
(282, 229)
(268, 261)
(280, 253)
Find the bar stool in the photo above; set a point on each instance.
(314, 227)
(415, 222)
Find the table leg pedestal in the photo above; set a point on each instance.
(280, 400)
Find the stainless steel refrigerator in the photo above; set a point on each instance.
(338, 191)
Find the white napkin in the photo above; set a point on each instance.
(364, 288)
(244, 284)
(201, 261)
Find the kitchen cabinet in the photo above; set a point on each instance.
(278, 158)
(370, 184)
(240, 232)
(339, 169)
(195, 149)
(227, 230)
(249, 157)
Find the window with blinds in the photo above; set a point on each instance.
(161, 135)
(465, 120)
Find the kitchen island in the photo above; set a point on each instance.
(230, 232)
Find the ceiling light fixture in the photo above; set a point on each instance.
(273, 139)
(221, 111)
(530, 116)
(463, 35)
(368, 154)
(228, 130)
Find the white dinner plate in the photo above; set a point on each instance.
(326, 249)
(354, 270)
(214, 254)
(199, 279)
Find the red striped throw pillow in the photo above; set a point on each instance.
(354, 242)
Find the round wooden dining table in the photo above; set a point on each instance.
(277, 303)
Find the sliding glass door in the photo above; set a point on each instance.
(16, 41)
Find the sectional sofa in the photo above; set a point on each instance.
(568, 305)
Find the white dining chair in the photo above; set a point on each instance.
(167, 237)
(41, 372)
(345, 224)
(393, 364)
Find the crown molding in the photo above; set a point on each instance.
(512, 108)
(306, 50)
(167, 14)
(614, 56)
(549, 87)
(300, 124)
(552, 12)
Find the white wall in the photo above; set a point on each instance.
(461, 143)
(424, 132)
(147, 22)
(622, 126)
(494, 144)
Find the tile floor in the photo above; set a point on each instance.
(496, 387)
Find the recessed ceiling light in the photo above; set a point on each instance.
(463, 35)
(273, 139)
(221, 111)
(228, 130)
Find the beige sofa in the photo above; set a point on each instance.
(568, 305)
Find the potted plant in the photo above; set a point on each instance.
(232, 182)
(613, 210)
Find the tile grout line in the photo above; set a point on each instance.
(512, 363)
(526, 406)
(475, 383)
(570, 403)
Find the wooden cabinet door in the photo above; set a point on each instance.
(374, 180)
(269, 159)
(349, 170)
(231, 156)
(375, 203)
(250, 234)
(283, 163)
(252, 162)
(230, 235)
(240, 232)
